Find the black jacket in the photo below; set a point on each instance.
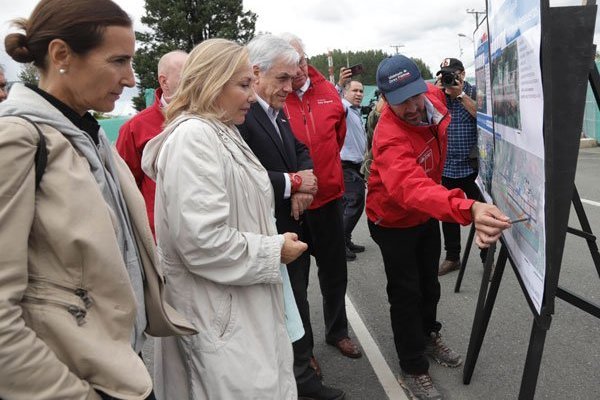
(278, 156)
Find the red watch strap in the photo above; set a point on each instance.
(296, 181)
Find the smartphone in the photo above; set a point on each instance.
(356, 69)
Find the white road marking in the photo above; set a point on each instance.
(590, 202)
(385, 375)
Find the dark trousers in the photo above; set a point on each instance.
(299, 270)
(411, 257)
(354, 197)
(324, 229)
(451, 230)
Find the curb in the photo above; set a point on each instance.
(587, 143)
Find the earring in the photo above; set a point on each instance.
(62, 71)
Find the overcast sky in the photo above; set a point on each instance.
(423, 30)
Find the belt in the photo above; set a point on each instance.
(350, 164)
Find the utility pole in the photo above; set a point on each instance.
(476, 13)
(396, 46)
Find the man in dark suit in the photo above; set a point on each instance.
(267, 132)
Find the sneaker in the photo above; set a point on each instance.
(350, 255)
(448, 266)
(420, 387)
(355, 248)
(441, 353)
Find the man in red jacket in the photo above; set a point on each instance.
(318, 119)
(136, 132)
(404, 203)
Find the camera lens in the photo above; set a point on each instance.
(448, 79)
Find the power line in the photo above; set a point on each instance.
(476, 13)
(397, 46)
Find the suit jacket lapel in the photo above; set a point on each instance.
(288, 142)
(263, 119)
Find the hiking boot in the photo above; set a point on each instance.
(420, 387)
(441, 353)
(355, 248)
(448, 266)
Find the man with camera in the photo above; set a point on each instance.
(459, 173)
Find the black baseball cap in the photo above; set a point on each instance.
(450, 65)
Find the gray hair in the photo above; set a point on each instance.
(1, 68)
(294, 40)
(264, 50)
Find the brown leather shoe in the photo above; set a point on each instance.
(314, 364)
(347, 347)
(448, 266)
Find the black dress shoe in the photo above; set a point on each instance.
(355, 248)
(350, 256)
(323, 393)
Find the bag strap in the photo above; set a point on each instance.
(41, 154)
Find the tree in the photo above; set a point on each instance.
(182, 24)
(425, 71)
(370, 60)
(29, 75)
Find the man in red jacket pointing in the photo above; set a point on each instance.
(404, 203)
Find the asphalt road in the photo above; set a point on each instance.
(571, 363)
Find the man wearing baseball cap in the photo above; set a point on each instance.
(404, 203)
(459, 171)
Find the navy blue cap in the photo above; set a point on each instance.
(399, 79)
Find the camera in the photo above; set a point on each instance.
(356, 69)
(449, 78)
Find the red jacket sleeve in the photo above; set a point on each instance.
(340, 128)
(408, 185)
(129, 151)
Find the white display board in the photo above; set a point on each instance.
(511, 123)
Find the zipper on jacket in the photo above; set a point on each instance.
(77, 312)
(437, 141)
(434, 133)
(82, 293)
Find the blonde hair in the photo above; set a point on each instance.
(209, 67)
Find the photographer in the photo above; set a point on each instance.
(462, 139)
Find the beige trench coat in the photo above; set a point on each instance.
(220, 251)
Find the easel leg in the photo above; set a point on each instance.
(532, 363)
(585, 227)
(465, 258)
(485, 305)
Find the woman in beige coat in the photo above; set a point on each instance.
(217, 240)
(78, 283)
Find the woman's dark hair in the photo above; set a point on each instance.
(80, 23)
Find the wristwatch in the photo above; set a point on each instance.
(296, 181)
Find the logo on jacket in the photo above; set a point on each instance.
(324, 101)
(425, 160)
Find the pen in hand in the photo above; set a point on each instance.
(514, 221)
